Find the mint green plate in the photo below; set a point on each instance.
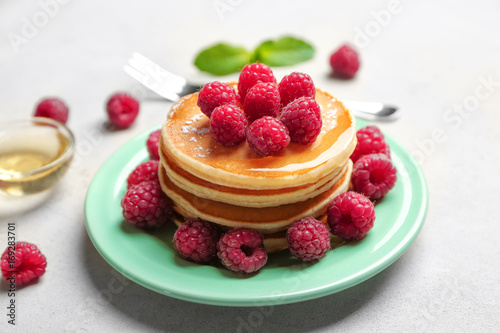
(149, 259)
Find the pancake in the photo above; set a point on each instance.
(266, 220)
(244, 197)
(186, 140)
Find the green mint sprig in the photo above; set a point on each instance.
(223, 59)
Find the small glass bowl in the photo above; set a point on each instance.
(35, 154)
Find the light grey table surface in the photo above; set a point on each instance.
(438, 60)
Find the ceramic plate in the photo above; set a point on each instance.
(149, 259)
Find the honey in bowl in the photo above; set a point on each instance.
(34, 155)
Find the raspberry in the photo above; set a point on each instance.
(146, 206)
(308, 239)
(373, 175)
(53, 108)
(228, 125)
(267, 136)
(302, 117)
(345, 62)
(370, 140)
(242, 250)
(215, 94)
(263, 99)
(122, 110)
(147, 171)
(252, 74)
(296, 85)
(196, 240)
(351, 216)
(22, 263)
(152, 143)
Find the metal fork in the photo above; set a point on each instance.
(173, 87)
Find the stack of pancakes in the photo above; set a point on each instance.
(234, 187)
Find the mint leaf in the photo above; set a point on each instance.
(285, 51)
(222, 59)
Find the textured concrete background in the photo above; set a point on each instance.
(439, 61)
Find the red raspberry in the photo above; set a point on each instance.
(263, 99)
(196, 240)
(53, 108)
(146, 206)
(351, 216)
(252, 74)
(296, 85)
(370, 140)
(242, 250)
(308, 239)
(147, 171)
(122, 110)
(345, 62)
(22, 263)
(302, 117)
(228, 125)
(215, 94)
(267, 136)
(373, 175)
(152, 143)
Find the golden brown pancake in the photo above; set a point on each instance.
(187, 141)
(265, 220)
(244, 197)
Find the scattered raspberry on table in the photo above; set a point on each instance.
(345, 62)
(122, 110)
(53, 108)
(24, 265)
